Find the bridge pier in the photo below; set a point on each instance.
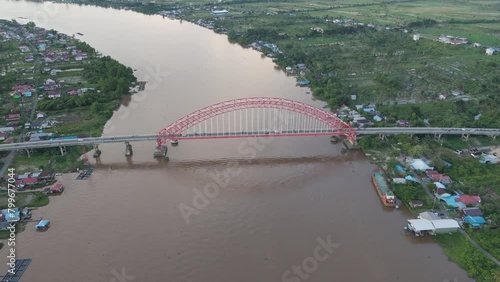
(161, 152)
(382, 137)
(63, 150)
(349, 144)
(494, 137)
(437, 137)
(97, 151)
(29, 151)
(128, 149)
(465, 137)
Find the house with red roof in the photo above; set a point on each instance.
(45, 175)
(12, 117)
(469, 200)
(435, 176)
(56, 188)
(29, 181)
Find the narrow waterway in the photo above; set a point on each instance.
(270, 210)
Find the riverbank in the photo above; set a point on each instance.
(473, 249)
(52, 86)
(55, 86)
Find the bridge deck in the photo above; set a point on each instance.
(217, 135)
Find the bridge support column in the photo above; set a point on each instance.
(494, 137)
(161, 152)
(97, 151)
(437, 137)
(128, 149)
(465, 137)
(382, 137)
(63, 150)
(29, 151)
(350, 145)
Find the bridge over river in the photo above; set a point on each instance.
(251, 117)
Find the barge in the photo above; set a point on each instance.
(382, 187)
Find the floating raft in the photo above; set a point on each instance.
(85, 174)
(20, 268)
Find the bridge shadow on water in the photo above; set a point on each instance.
(348, 156)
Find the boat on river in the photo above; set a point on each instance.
(383, 190)
(42, 225)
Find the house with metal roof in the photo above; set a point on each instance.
(445, 225)
(420, 227)
(475, 221)
(428, 215)
(472, 212)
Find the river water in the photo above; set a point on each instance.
(271, 211)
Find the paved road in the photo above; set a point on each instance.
(445, 212)
(150, 137)
(429, 130)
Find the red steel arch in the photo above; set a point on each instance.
(174, 130)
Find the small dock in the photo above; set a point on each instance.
(85, 174)
(20, 267)
(33, 220)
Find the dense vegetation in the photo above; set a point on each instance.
(112, 80)
(467, 256)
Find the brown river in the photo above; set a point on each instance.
(300, 210)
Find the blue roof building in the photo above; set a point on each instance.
(475, 221)
(451, 201)
(411, 178)
(14, 216)
(399, 168)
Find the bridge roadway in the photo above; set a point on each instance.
(150, 137)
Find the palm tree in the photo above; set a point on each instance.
(496, 276)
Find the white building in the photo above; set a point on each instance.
(420, 227)
(445, 225)
(399, 180)
(416, 37)
(6, 129)
(423, 226)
